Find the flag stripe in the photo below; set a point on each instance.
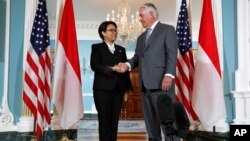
(207, 17)
(31, 85)
(71, 33)
(29, 103)
(31, 63)
(32, 96)
(183, 75)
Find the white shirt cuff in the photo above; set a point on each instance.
(129, 66)
(170, 75)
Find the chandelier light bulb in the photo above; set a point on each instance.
(128, 28)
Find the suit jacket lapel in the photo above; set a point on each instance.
(152, 36)
(105, 45)
(107, 48)
(116, 50)
(144, 40)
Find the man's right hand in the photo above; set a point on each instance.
(123, 67)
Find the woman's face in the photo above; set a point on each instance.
(110, 34)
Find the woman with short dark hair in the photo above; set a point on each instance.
(109, 85)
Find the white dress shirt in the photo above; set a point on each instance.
(111, 47)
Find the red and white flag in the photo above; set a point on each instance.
(67, 87)
(36, 87)
(208, 99)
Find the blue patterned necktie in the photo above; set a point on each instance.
(147, 35)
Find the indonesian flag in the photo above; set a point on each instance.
(67, 90)
(208, 99)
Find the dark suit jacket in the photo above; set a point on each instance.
(101, 60)
(158, 57)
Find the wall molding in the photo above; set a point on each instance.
(242, 74)
(85, 30)
(6, 117)
(88, 30)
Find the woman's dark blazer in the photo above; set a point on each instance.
(101, 60)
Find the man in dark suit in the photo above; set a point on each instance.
(155, 54)
(109, 86)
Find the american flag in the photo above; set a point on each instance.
(185, 62)
(36, 89)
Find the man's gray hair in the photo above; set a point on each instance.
(150, 7)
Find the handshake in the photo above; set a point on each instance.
(120, 68)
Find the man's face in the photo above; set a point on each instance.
(146, 18)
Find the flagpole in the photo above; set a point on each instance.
(195, 123)
(65, 137)
(185, 61)
(67, 40)
(60, 4)
(34, 136)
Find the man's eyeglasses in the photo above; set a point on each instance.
(112, 30)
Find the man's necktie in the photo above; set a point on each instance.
(147, 35)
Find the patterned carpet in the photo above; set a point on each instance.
(91, 126)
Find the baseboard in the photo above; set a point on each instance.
(209, 136)
(50, 135)
(90, 116)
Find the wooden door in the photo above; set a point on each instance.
(132, 108)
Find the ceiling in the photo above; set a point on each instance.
(96, 10)
(90, 13)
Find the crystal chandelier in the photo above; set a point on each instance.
(128, 28)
